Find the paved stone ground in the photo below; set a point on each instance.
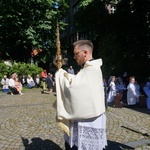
(128, 128)
(27, 122)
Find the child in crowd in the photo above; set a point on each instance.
(112, 90)
(132, 94)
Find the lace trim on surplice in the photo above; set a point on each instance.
(88, 138)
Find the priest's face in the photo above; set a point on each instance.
(79, 56)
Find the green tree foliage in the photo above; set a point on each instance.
(29, 24)
(95, 11)
(4, 70)
(132, 28)
(121, 39)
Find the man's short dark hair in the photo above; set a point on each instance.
(82, 43)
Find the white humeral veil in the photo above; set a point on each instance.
(80, 96)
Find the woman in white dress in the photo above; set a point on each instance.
(132, 94)
(112, 91)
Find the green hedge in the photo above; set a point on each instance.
(20, 69)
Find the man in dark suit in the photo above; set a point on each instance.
(50, 82)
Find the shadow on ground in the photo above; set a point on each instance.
(143, 134)
(117, 146)
(142, 110)
(39, 144)
(134, 107)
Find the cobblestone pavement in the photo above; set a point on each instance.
(27, 122)
(128, 128)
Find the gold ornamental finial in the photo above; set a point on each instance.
(58, 57)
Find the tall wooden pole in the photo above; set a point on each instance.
(58, 45)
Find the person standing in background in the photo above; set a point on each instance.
(50, 82)
(44, 76)
(71, 70)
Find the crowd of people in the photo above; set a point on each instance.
(81, 111)
(11, 85)
(129, 89)
(14, 84)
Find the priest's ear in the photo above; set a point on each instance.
(85, 52)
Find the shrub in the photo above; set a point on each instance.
(20, 69)
(4, 70)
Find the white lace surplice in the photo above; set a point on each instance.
(89, 134)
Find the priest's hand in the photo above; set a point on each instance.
(59, 65)
(66, 75)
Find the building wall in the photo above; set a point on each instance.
(70, 34)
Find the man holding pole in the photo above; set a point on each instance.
(81, 103)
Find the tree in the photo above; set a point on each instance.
(133, 29)
(29, 24)
(121, 39)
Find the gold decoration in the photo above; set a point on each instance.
(58, 58)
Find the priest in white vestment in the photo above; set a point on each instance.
(81, 103)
